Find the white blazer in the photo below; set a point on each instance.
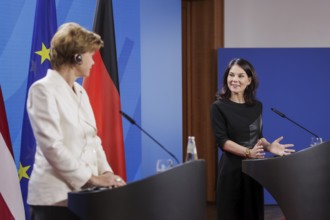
(68, 149)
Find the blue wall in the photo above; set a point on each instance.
(161, 93)
(296, 82)
(148, 35)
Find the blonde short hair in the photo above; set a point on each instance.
(69, 40)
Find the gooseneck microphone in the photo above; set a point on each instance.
(132, 121)
(284, 116)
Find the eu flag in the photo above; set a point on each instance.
(45, 26)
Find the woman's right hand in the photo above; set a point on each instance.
(257, 151)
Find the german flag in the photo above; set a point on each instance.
(102, 87)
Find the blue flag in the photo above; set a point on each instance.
(45, 26)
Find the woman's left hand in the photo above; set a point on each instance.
(115, 180)
(280, 149)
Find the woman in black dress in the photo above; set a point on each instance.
(236, 118)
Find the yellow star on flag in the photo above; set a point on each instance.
(44, 53)
(22, 172)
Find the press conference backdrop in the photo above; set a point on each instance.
(148, 35)
(294, 81)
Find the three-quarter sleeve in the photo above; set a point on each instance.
(218, 123)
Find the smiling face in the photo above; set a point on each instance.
(237, 80)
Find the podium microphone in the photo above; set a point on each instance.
(132, 121)
(284, 116)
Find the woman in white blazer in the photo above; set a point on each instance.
(69, 155)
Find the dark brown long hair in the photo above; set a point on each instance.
(250, 91)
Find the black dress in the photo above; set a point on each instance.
(238, 196)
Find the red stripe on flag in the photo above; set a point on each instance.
(4, 131)
(5, 214)
(105, 101)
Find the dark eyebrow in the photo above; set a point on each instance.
(238, 73)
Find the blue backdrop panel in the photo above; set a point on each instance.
(294, 81)
(127, 26)
(161, 82)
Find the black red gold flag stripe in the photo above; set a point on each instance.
(102, 87)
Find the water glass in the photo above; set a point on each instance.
(316, 141)
(163, 165)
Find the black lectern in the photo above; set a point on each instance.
(299, 182)
(178, 193)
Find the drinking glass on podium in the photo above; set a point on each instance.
(163, 165)
(316, 141)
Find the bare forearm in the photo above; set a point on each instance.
(252, 152)
(234, 148)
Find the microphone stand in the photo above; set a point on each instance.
(132, 121)
(284, 116)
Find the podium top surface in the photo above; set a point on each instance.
(299, 182)
(177, 194)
